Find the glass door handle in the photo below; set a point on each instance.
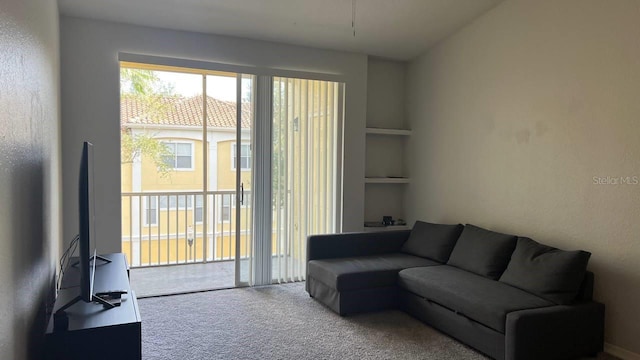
(241, 193)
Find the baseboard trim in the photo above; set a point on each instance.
(620, 352)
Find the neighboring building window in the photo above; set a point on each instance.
(246, 201)
(169, 202)
(181, 157)
(182, 202)
(245, 157)
(198, 209)
(151, 210)
(225, 212)
(229, 204)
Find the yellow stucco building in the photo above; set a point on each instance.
(164, 212)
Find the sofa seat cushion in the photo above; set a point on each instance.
(476, 297)
(364, 271)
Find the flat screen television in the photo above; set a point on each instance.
(86, 205)
(86, 237)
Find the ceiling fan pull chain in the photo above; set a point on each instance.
(353, 17)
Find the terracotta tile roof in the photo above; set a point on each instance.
(184, 111)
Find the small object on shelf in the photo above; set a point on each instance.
(385, 131)
(387, 220)
(373, 224)
(386, 180)
(400, 222)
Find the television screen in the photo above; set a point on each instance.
(86, 238)
(87, 220)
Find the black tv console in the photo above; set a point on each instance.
(89, 330)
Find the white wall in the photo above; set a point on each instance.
(514, 116)
(90, 103)
(29, 172)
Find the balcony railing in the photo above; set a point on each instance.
(168, 228)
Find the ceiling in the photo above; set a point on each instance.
(394, 29)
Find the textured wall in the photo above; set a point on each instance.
(29, 171)
(514, 116)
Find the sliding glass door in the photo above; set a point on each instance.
(296, 173)
(228, 168)
(186, 177)
(305, 169)
(242, 154)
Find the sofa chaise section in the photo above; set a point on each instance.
(351, 278)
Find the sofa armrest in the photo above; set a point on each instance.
(355, 244)
(555, 332)
(585, 293)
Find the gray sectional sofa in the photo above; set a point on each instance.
(508, 297)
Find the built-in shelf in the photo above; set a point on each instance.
(382, 131)
(386, 228)
(386, 180)
(387, 131)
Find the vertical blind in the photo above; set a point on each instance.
(305, 174)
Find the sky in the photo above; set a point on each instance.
(219, 87)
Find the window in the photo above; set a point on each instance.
(198, 209)
(245, 157)
(225, 213)
(170, 202)
(228, 205)
(151, 210)
(181, 157)
(182, 202)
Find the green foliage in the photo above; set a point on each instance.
(280, 124)
(150, 91)
(133, 146)
(146, 88)
(143, 82)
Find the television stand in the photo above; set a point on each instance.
(96, 298)
(88, 330)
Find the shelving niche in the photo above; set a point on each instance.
(379, 169)
(386, 140)
(385, 173)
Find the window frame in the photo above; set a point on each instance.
(187, 206)
(175, 154)
(194, 207)
(232, 205)
(146, 208)
(190, 206)
(234, 152)
(222, 206)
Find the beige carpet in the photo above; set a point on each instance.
(282, 322)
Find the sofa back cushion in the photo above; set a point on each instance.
(550, 273)
(482, 251)
(432, 241)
